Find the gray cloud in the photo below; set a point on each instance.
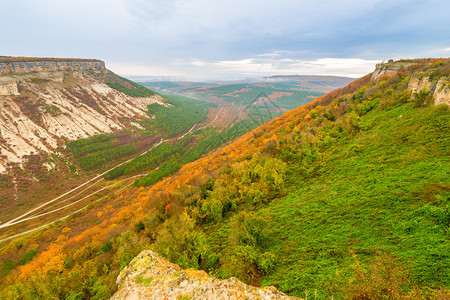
(226, 36)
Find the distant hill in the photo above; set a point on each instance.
(292, 82)
(312, 82)
(282, 93)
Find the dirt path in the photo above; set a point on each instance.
(15, 220)
(73, 203)
(62, 218)
(22, 218)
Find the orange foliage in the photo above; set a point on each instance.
(132, 204)
(51, 260)
(167, 208)
(123, 215)
(189, 175)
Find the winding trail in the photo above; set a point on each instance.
(73, 203)
(65, 217)
(22, 218)
(15, 220)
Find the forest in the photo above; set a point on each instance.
(102, 151)
(205, 143)
(180, 114)
(168, 157)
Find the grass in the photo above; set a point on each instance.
(127, 86)
(389, 199)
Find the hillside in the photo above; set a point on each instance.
(48, 102)
(344, 197)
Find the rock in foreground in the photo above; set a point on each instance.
(150, 276)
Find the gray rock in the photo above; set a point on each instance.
(150, 276)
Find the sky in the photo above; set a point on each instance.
(225, 40)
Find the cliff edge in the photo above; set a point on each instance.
(46, 103)
(16, 65)
(436, 85)
(150, 276)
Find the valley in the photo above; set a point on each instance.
(345, 196)
(225, 150)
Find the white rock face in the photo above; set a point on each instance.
(442, 92)
(440, 88)
(416, 84)
(385, 69)
(8, 86)
(2, 169)
(50, 107)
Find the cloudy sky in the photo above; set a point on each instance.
(211, 39)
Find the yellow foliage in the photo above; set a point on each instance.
(363, 89)
(61, 239)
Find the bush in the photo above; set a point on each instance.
(422, 98)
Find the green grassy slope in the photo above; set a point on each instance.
(362, 209)
(366, 214)
(127, 86)
(378, 202)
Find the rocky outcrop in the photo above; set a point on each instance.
(16, 67)
(8, 86)
(439, 88)
(386, 69)
(150, 276)
(442, 92)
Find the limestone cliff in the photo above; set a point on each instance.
(25, 65)
(8, 86)
(386, 69)
(44, 102)
(439, 87)
(150, 276)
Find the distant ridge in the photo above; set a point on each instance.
(306, 76)
(9, 65)
(30, 59)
